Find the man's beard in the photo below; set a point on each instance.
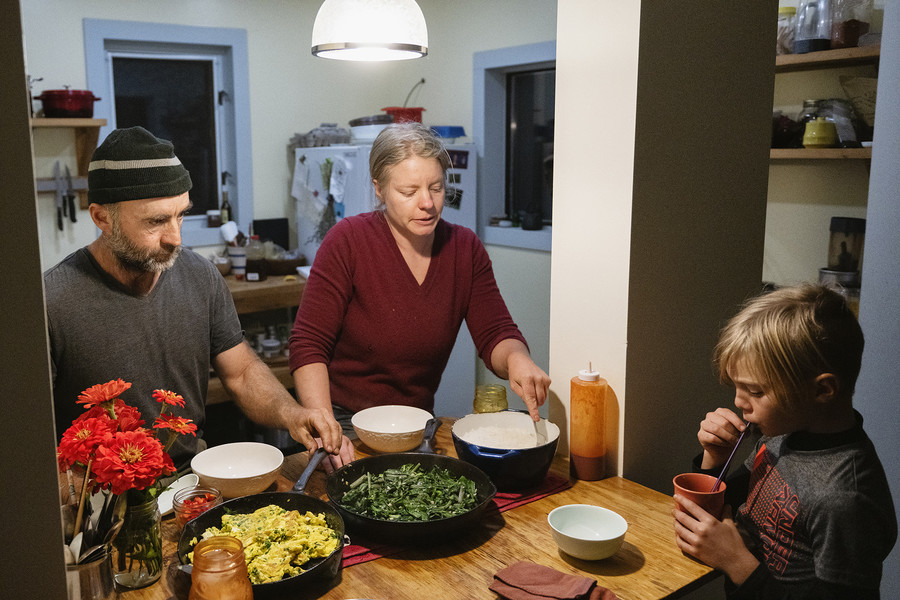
(138, 259)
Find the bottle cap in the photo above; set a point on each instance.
(586, 375)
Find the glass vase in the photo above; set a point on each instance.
(138, 545)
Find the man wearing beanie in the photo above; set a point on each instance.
(133, 304)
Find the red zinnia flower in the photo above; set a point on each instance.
(178, 424)
(132, 459)
(81, 439)
(167, 397)
(102, 392)
(127, 416)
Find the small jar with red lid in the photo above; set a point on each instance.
(191, 502)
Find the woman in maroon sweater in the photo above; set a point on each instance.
(390, 289)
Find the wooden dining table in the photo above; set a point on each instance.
(648, 566)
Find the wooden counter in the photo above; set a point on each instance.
(648, 566)
(277, 291)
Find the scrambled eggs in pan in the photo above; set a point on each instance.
(277, 542)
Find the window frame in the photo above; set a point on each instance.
(102, 38)
(490, 68)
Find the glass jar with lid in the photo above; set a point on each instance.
(784, 40)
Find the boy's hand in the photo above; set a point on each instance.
(716, 543)
(719, 432)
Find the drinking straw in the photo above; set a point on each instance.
(715, 486)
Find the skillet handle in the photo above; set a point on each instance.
(314, 461)
(431, 428)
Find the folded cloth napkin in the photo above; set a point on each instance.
(529, 581)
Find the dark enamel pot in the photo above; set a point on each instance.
(511, 469)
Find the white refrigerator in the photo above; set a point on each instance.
(332, 182)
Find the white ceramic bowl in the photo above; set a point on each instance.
(587, 532)
(238, 469)
(391, 428)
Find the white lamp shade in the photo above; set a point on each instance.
(370, 30)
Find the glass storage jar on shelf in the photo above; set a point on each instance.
(850, 19)
(784, 40)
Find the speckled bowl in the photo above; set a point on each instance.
(391, 428)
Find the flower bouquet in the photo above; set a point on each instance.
(122, 464)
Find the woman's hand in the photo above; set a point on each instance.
(510, 359)
(719, 432)
(529, 381)
(345, 455)
(716, 543)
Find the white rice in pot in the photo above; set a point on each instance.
(507, 438)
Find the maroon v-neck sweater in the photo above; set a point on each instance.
(385, 338)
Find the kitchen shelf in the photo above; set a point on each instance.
(87, 132)
(255, 296)
(820, 153)
(827, 59)
(273, 292)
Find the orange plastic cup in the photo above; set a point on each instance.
(696, 487)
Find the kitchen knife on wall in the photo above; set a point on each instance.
(70, 196)
(60, 196)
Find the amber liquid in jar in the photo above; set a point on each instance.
(489, 398)
(587, 448)
(219, 570)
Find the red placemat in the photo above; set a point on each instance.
(357, 553)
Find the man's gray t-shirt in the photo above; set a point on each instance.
(164, 340)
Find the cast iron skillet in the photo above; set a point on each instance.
(409, 531)
(316, 568)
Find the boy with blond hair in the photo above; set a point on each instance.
(815, 517)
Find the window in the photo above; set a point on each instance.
(175, 99)
(189, 85)
(496, 110)
(529, 147)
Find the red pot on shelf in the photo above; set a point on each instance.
(78, 104)
(403, 113)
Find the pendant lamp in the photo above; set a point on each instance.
(370, 30)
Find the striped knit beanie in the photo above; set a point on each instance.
(133, 164)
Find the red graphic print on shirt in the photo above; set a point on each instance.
(773, 507)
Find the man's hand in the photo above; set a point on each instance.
(315, 427)
(345, 455)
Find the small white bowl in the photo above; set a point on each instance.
(238, 469)
(587, 532)
(391, 428)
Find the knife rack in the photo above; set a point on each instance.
(87, 132)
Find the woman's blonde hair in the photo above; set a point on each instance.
(400, 141)
(790, 336)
